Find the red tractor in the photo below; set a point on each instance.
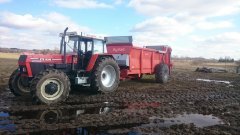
(83, 61)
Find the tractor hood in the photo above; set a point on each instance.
(31, 64)
(44, 58)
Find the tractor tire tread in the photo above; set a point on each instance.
(13, 86)
(37, 78)
(95, 83)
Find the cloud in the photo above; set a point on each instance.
(81, 4)
(34, 32)
(4, 1)
(163, 26)
(52, 22)
(199, 8)
(118, 2)
(214, 25)
(180, 25)
(160, 30)
(26, 21)
(226, 38)
(219, 45)
(183, 37)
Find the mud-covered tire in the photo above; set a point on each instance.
(162, 73)
(16, 86)
(106, 67)
(50, 116)
(42, 90)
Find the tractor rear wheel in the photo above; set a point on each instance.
(50, 86)
(162, 73)
(106, 75)
(18, 84)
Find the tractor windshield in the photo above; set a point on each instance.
(94, 46)
(99, 47)
(71, 45)
(76, 44)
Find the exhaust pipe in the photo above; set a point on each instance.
(64, 53)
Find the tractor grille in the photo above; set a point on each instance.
(22, 58)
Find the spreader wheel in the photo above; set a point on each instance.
(50, 86)
(162, 73)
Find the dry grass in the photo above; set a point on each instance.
(9, 55)
(8, 63)
(7, 66)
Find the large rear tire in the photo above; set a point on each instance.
(18, 84)
(106, 75)
(50, 87)
(162, 73)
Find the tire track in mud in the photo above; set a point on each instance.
(122, 98)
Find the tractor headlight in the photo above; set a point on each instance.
(24, 69)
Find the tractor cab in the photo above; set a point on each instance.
(81, 46)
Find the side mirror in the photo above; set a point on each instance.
(66, 39)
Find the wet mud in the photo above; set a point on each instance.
(185, 105)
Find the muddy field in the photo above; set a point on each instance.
(191, 103)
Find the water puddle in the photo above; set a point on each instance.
(102, 120)
(68, 121)
(215, 81)
(5, 123)
(198, 120)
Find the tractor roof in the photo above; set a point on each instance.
(84, 36)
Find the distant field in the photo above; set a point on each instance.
(7, 66)
(8, 63)
(193, 64)
(9, 55)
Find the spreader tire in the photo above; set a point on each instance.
(106, 75)
(17, 85)
(162, 73)
(50, 87)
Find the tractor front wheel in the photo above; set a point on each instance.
(162, 73)
(50, 86)
(106, 75)
(18, 84)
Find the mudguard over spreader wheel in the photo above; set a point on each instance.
(18, 85)
(50, 86)
(162, 73)
(106, 75)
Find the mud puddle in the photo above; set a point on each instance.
(82, 121)
(216, 81)
(198, 120)
(90, 120)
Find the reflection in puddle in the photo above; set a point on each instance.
(94, 120)
(64, 120)
(198, 120)
(5, 123)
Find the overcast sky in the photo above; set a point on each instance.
(195, 28)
